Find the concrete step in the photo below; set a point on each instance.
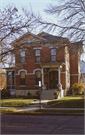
(47, 94)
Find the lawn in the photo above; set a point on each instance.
(66, 102)
(60, 111)
(8, 109)
(20, 102)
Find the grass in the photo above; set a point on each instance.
(67, 102)
(61, 111)
(9, 109)
(20, 102)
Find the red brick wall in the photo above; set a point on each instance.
(45, 55)
(61, 54)
(30, 66)
(74, 65)
(74, 69)
(73, 79)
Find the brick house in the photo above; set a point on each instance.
(46, 59)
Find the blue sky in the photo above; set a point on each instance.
(37, 5)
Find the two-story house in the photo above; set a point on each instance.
(44, 58)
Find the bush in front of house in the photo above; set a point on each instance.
(77, 89)
(56, 94)
(5, 94)
(37, 93)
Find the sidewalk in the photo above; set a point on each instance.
(32, 107)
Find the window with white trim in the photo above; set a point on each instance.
(37, 55)
(22, 78)
(53, 54)
(37, 77)
(22, 56)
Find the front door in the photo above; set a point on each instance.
(53, 79)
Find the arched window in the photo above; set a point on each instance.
(22, 78)
(37, 77)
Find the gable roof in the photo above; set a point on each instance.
(50, 38)
(41, 37)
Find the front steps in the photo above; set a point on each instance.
(49, 94)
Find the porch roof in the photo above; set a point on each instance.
(52, 64)
(9, 68)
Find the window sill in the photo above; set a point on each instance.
(22, 85)
(53, 61)
(23, 63)
(36, 85)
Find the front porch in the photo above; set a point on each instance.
(51, 75)
(51, 80)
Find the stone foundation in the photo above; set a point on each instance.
(25, 92)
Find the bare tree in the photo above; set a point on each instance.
(12, 25)
(70, 16)
(70, 19)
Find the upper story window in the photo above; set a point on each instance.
(53, 54)
(22, 78)
(37, 55)
(22, 55)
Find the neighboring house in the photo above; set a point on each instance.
(46, 59)
(83, 69)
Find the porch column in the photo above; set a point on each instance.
(59, 80)
(43, 85)
(42, 77)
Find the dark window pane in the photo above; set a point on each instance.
(22, 78)
(37, 55)
(8, 77)
(22, 59)
(37, 52)
(38, 77)
(13, 77)
(53, 51)
(37, 59)
(22, 54)
(53, 58)
(53, 54)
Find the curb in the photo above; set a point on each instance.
(42, 113)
